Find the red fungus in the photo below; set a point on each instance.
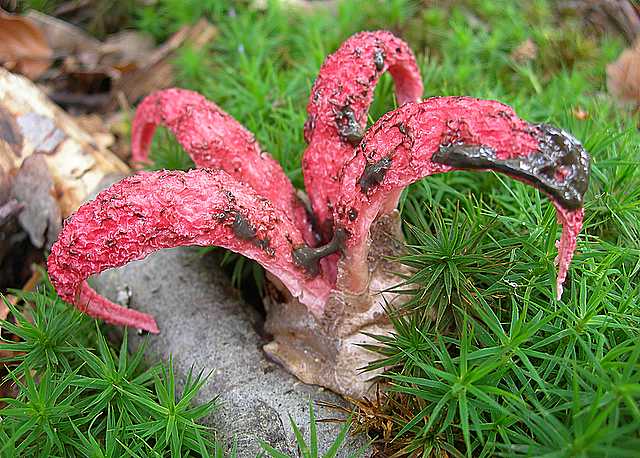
(149, 211)
(244, 202)
(214, 139)
(446, 133)
(338, 107)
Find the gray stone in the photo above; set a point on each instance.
(205, 325)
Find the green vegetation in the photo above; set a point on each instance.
(78, 396)
(484, 360)
(311, 449)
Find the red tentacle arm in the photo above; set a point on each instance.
(214, 139)
(338, 108)
(447, 133)
(150, 211)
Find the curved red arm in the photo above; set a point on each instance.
(214, 139)
(338, 108)
(150, 211)
(446, 133)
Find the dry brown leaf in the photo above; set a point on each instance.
(23, 47)
(623, 76)
(64, 38)
(525, 52)
(95, 126)
(33, 281)
(8, 388)
(156, 71)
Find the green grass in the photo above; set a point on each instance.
(79, 396)
(311, 449)
(484, 361)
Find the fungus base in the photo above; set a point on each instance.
(327, 350)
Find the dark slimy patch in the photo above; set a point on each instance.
(243, 228)
(309, 126)
(348, 126)
(308, 258)
(378, 59)
(264, 246)
(374, 173)
(560, 168)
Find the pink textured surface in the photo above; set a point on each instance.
(408, 137)
(150, 211)
(93, 304)
(571, 221)
(348, 77)
(214, 139)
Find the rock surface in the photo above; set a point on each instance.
(205, 324)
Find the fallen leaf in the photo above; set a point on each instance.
(156, 71)
(96, 127)
(64, 38)
(32, 187)
(525, 52)
(9, 210)
(33, 281)
(623, 76)
(23, 47)
(8, 388)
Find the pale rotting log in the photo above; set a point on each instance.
(48, 167)
(31, 124)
